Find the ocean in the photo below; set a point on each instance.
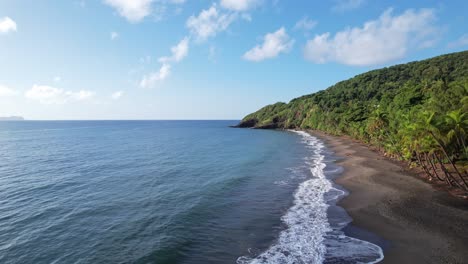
(170, 192)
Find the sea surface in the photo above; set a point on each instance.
(169, 192)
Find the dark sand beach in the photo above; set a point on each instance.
(418, 223)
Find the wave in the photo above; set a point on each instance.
(309, 236)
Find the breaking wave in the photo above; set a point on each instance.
(309, 236)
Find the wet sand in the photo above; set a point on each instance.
(418, 223)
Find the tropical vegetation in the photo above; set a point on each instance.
(416, 112)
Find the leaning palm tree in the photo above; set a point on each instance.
(457, 124)
(438, 131)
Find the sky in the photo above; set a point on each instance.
(206, 59)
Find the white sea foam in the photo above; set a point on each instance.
(309, 237)
(281, 183)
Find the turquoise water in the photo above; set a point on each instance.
(166, 192)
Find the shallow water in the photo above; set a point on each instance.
(168, 192)
(314, 224)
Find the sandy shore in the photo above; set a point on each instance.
(418, 223)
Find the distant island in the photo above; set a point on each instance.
(415, 112)
(11, 118)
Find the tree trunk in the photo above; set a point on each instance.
(456, 170)
(424, 166)
(448, 176)
(431, 161)
(451, 162)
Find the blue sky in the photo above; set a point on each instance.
(176, 59)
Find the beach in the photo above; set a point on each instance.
(417, 223)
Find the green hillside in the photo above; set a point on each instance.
(416, 111)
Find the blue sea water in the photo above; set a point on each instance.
(169, 192)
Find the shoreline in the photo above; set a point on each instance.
(418, 223)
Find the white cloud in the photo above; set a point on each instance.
(132, 10)
(7, 25)
(153, 78)
(239, 5)
(273, 44)
(45, 94)
(346, 5)
(461, 42)
(117, 95)
(305, 24)
(80, 95)
(136, 10)
(179, 52)
(209, 23)
(6, 91)
(51, 95)
(57, 79)
(114, 35)
(378, 41)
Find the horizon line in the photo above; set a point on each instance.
(120, 120)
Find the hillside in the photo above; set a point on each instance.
(416, 111)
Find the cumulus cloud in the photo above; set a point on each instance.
(45, 94)
(305, 24)
(7, 25)
(273, 44)
(209, 22)
(461, 42)
(117, 95)
(136, 10)
(132, 10)
(239, 5)
(179, 52)
(6, 91)
(346, 5)
(378, 41)
(150, 80)
(50, 95)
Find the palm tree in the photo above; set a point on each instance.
(457, 124)
(436, 130)
(377, 124)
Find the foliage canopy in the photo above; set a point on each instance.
(416, 111)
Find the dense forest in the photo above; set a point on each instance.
(417, 112)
